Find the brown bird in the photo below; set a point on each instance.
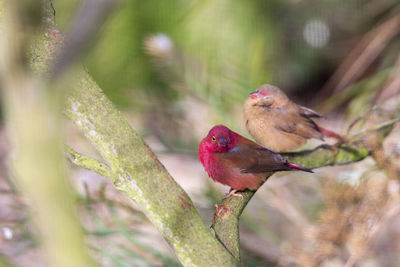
(279, 124)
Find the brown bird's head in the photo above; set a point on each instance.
(267, 96)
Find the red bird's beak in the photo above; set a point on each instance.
(222, 141)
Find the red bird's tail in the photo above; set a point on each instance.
(299, 167)
(329, 133)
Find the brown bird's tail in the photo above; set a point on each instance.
(329, 133)
(298, 167)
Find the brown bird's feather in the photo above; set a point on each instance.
(276, 122)
(308, 112)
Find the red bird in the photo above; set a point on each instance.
(234, 160)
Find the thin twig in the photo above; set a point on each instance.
(359, 118)
(88, 163)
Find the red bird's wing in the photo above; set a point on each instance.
(252, 158)
(247, 165)
(228, 171)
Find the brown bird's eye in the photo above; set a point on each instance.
(213, 139)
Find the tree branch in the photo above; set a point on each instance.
(138, 173)
(88, 163)
(134, 169)
(35, 127)
(226, 219)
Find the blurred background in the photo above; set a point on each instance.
(176, 68)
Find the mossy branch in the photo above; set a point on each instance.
(226, 219)
(132, 166)
(88, 163)
(137, 172)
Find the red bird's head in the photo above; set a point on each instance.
(218, 140)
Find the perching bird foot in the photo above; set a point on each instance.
(232, 192)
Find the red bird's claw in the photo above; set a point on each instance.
(232, 193)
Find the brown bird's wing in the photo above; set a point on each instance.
(308, 112)
(252, 158)
(293, 121)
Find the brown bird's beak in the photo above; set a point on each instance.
(254, 95)
(257, 94)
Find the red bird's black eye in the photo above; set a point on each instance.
(213, 139)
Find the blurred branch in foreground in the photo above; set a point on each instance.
(34, 125)
(391, 87)
(83, 29)
(362, 56)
